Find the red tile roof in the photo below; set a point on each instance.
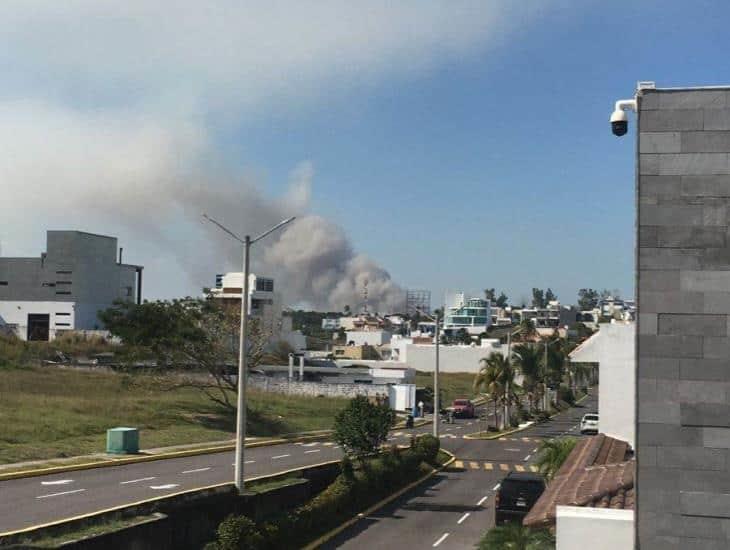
(598, 473)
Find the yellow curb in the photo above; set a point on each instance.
(496, 435)
(149, 458)
(174, 454)
(154, 499)
(327, 536)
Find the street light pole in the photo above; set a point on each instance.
(436, 400)
(243, 345)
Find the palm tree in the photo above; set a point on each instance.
(497, 377)
(527, 358)
(515, 536)
(552, 453)
(487, 382)
(527, 330)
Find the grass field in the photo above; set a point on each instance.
(453, 385)
(46, 412)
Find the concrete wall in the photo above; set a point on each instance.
(451, 358)
(683, 433)
(16, 313)
(613, 348)
(313, 389)
(578, 528)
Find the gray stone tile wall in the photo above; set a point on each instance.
(683, 341)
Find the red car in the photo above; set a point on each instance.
(463, 408)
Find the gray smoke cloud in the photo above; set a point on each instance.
(315, 259)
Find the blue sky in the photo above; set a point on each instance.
(474, 152)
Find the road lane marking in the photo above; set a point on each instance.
(481, 501)
(463, 518)
(474, 465)
(534, 468)
(458, 464)
(488, 466)
(279, 456)
(57, 482)
(328, 444)
(311, 444)
(512, 450)
(458, 427)
(527, 458)
(398, 434)
(495, 487)
(167, 486)
(313, 451)
(245, 462)
(443, 537)
(519, 467)
(534, 450)
(137, 480)
(63, 493)
(504, 467)
(196, 470)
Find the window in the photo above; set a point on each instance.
(62, 314)
(3, 283)
(64, 272)
(63, 324)
(265, 285)
(63, 293)
(61, 283)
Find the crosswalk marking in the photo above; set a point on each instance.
(474, 465)
(458, 464)
(491, 466)
(488, 466)
(519, 467)
(398, 434)
(504, 467)
(533, 468)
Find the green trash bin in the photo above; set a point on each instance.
(122, 441)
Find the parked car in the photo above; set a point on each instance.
(589, 423)
(463, 408)
(516, 495)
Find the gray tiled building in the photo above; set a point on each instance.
(683, 349)
(65, 287)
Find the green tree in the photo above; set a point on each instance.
(489, 295)
(237, 533)
(538, 297)
(362, 427)
(487, 382)
(550, 296)
(515, 536)
(587, 299)
(552, 453)
(189, 334)
(527, 359)
(463, 336)
(527, 330)
(502, 300)
(496, 379)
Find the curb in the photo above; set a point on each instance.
(337, 530)
(150, 458)
(497, 435)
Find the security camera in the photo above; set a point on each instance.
(619, 118)
(619, 123)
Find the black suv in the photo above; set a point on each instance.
(516, 495)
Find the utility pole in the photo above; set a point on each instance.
(436, 400)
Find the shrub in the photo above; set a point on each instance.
(237, 533)
(427, 446)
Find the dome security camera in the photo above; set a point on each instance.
(619, 123)
(619, 118)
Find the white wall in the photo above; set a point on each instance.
(451, 358)
(612, 347)
(578, 528)
(369, 337)
(16, 313)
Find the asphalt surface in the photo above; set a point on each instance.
(451, 510)
(454, 508)
(26, 502)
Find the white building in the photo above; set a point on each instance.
(368, 337)
(264, 304)
(473, 315)
(612, 347)
(553, 316)
(452, 358)
(331, 323)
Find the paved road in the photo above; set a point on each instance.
(32, 501)
(37, 500)
(454, 508)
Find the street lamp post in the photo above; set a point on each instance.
(545, 396)
(436, 399)
(247, 241)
